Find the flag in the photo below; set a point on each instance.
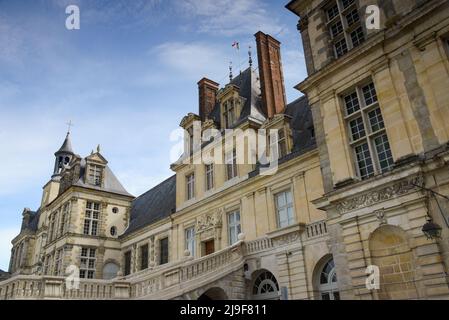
(236, 45)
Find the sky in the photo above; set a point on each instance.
(125, 79)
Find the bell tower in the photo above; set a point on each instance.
(63, 156)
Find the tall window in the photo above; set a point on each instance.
(209, 176)
(234, 227)
(88, 263)
(95, 175)
(163, 251)
(64, 224)
(46, 264)
(229, 113)
(366, 128)
(190, 240)
(53, 226)
(281, 144)
(144, 257)
(190, 186)
(284, 209)
(58, 262)
(231, 165)
(127, 263)
(92, 218)
(345, 27)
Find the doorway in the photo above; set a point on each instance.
(209, 247)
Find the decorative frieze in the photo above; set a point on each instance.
(209, 221)
(367, 199)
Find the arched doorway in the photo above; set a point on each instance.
(265, 286)
(110, 270)
(326, 280)
(213, 294)
(391, 252)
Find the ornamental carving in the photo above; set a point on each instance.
(287, 239)
(370, 198)
(208, 221)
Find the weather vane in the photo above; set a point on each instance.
(70, 125)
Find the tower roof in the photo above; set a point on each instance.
(66, 146)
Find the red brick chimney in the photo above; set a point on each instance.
(207, 96)
(270, 71)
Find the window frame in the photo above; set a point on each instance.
(95, 174)
(290, 220)
(127, 263)
(232, 166)
(90, 221)
(370, 134)
(164, 254)
(144, 256)
(234, 227)
(346, 34)
(189, 243)
(88, 272)
(190, 186)
(209, 174)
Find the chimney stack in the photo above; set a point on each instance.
(207, 97)
(270, 71)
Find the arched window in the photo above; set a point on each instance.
(265, 287)
(328, 286)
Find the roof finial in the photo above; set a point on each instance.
(250, 57)
(98, 148)
(69, 124)
(230, 71)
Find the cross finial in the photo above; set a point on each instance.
(250, 57)
(70, 125)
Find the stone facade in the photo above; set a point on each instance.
(354, 190)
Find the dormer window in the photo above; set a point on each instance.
(95, 174)
(229, 113)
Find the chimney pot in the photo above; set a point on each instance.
(207, 97)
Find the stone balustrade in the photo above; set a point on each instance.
(160, 282)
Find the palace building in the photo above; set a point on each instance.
(357, 208)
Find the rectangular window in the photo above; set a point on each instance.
(58, 262)
(284, 209)
(53, 226)
(127, 268)
(144, 257)
(367, 133)
(229, 113)
(46, 264)
(190, 240)
(64, 219)
(344, 25)
(91, 218)
(282, 143)
(163, 251)
(94, 175)
(231, 165)
(190, 186)
(88, 263)
(209, 176)
(234, 227)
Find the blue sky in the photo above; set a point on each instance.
(125, 80)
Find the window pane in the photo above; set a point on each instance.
(376, 120)
(346, 3)
(384, 152)
(341, 48)
(289, 197)
(357, 37)
(369, 93)
(357, 129)
(352, 17)
(332, 12)
(336, 29)
(281, 199)
(352, 103)
(364, 161)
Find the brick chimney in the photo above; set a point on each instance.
(270, 71)
(207, 96)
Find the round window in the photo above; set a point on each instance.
(113, 231)
(115, 210)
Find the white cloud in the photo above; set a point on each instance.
(229, 17)
(6, 235)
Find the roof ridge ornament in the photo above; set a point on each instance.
(250, 57)
(230, 71)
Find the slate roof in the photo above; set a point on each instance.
(66, 146)
(154, 205)
(248, 82)
(110, 182)
(301, 124)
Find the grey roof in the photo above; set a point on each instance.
(249, 90)
(153, 205)
(301, 124)
(66, 146)
(32, 222)
(110, 182)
